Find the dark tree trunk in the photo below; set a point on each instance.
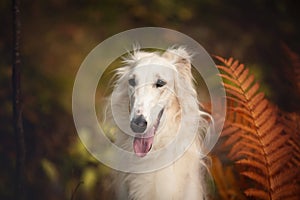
(17, 104)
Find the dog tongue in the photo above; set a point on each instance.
(143, 143)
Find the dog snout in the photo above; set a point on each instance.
(138, 124)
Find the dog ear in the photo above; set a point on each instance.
(180, 58)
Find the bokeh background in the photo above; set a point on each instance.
(56, 35)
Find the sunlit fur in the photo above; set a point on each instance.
(184, 178)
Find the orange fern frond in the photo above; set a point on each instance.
(259, 194)
(257, 177)
(291, 122)
(257, 138)
(225, 181)
(294, 61)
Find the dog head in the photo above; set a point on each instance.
(153, 82)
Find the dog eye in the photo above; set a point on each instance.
(160, 83)
(132, 82)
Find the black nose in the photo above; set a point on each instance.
(138, 124)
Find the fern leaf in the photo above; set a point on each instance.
(239, 69)
(219, 58)
(234, 63)
(228, 130)
(257, 177)
(236, 100)
(242, 111)
(248, 139)
(268, 126)
(253, 90)
(254, 164)
(242, 145)
(277, 144)
(269, 138)
(229, 78)
(247, 83)
(256, 99)
(282, 179)
(225, 181)
(291, 122)
(259, 142)
(294, 62)
(233, 88)
(245, 128)
(281, 156)
(263, 118)
(232, 139)
(243, 76)
(226, 71)
(287, 191)
(256, 193)
(234, 93)
(260, 107)
(280, 163)
(250, 154)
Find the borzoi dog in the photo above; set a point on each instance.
(155, 93)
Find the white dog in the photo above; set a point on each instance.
(155, 97)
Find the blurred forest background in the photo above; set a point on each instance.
(56, 35)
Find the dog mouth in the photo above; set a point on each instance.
(142, 143)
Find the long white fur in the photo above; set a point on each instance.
(184, 178)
